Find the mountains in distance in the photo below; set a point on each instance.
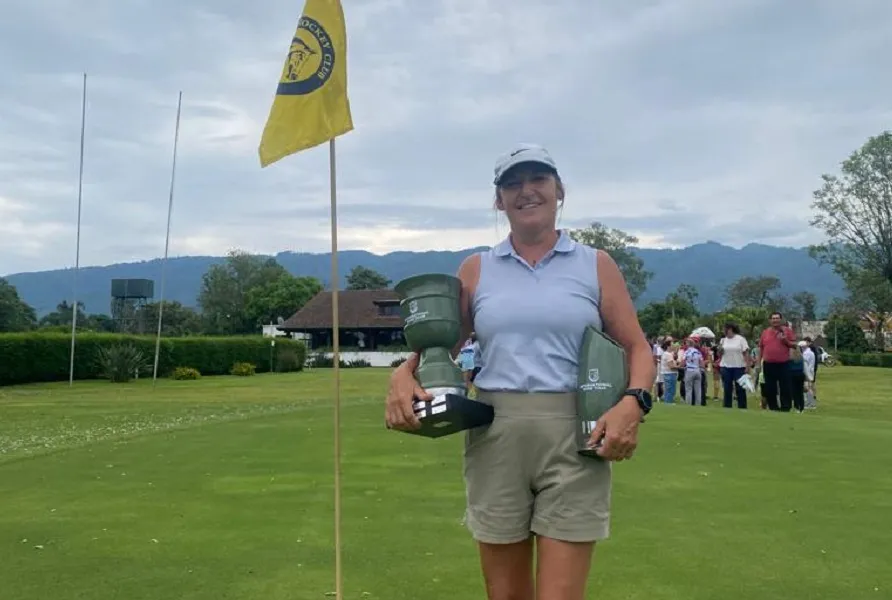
(711, 267)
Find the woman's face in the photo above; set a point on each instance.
(729, 333)
(529, 194)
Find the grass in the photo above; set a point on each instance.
(222, 489)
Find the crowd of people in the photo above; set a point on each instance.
(782, 368)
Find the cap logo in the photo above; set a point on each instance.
(516, 152)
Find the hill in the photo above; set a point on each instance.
(709, 266)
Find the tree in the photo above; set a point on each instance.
(281, 297)
(683, 301)
(870, 298)
(758, 292)
(177, 320)
(224, 291)
(362, 278)
(61, 317)
(618, 244)
(806, 304)
(844, 333)
(854, 211)
(15, 313)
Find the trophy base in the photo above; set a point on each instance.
(450, 413)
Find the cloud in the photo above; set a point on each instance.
(676, 120)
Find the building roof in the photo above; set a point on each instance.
(357, 309)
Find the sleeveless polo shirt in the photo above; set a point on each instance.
(530, 320)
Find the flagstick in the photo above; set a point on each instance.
(335, 325)
(173, 172)
(77, 255)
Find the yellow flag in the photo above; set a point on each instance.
(311, 104)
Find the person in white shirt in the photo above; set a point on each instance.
(735, 363)
(658, 355)
(669, 371)
(809, 361)
(693, 374)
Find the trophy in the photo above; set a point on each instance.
(429, 305)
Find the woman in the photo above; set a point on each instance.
(797, 377)
(529, 300)
(735, 363)
(693, 374)
(669, 369)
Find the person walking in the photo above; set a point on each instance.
(797, 378)
(735, 363)
(774, 347)
(531, 498)
(693, 374)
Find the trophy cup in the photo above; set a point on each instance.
(429, 305)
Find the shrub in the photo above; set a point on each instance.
(397, 362)
(185, 374)
(875, 359)
(358, 363)
(32, 357)
(120, 363)
(243, 369)
(288, 362)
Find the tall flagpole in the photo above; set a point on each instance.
(335, 326)
(173, 172)
(77, 254)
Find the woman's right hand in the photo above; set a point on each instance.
(404, 391)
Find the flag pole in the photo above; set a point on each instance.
(77, 252)
(336, 356)
(173, 172)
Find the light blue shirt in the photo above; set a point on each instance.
(529, 321)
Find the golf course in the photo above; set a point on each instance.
(222, 488)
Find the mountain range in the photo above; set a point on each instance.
(711, 267)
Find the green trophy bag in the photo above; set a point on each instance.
(601, 382)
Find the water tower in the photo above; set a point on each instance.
(128, 300)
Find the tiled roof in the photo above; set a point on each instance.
(356, 309)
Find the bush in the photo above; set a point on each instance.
(186, 374)
(358, 363)
(243, 369)
(32, 357)
(289, 361)
(120, 363)
(875, 359)
(397, 362)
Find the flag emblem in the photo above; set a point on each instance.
(311, 60)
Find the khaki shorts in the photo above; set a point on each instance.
(523, 474)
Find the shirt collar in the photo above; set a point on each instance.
(564, 245)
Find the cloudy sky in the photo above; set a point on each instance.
(676, 120)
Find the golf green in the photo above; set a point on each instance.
(222, 488)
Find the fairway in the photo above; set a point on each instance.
(223, 488)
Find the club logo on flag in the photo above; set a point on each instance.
(310, 62)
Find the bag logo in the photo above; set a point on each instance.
(413, 306)
(593, 375)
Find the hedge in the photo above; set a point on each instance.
(37, 357)
(875, 359)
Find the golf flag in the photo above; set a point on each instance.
(311, 104)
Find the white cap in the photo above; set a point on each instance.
(520, 154)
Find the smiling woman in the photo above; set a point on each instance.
(529, 301)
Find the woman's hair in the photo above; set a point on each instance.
(665, 345)
(735, 329)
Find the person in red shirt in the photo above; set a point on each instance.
(774, 348)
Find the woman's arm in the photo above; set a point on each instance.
(469, 274)
(621, 323)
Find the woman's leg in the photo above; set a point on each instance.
(669, 380)
(741, 391)
(508, 570)
(727, 385)
(562, 569)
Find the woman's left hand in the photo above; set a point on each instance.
(616, 435)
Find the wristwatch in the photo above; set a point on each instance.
(645, 400)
